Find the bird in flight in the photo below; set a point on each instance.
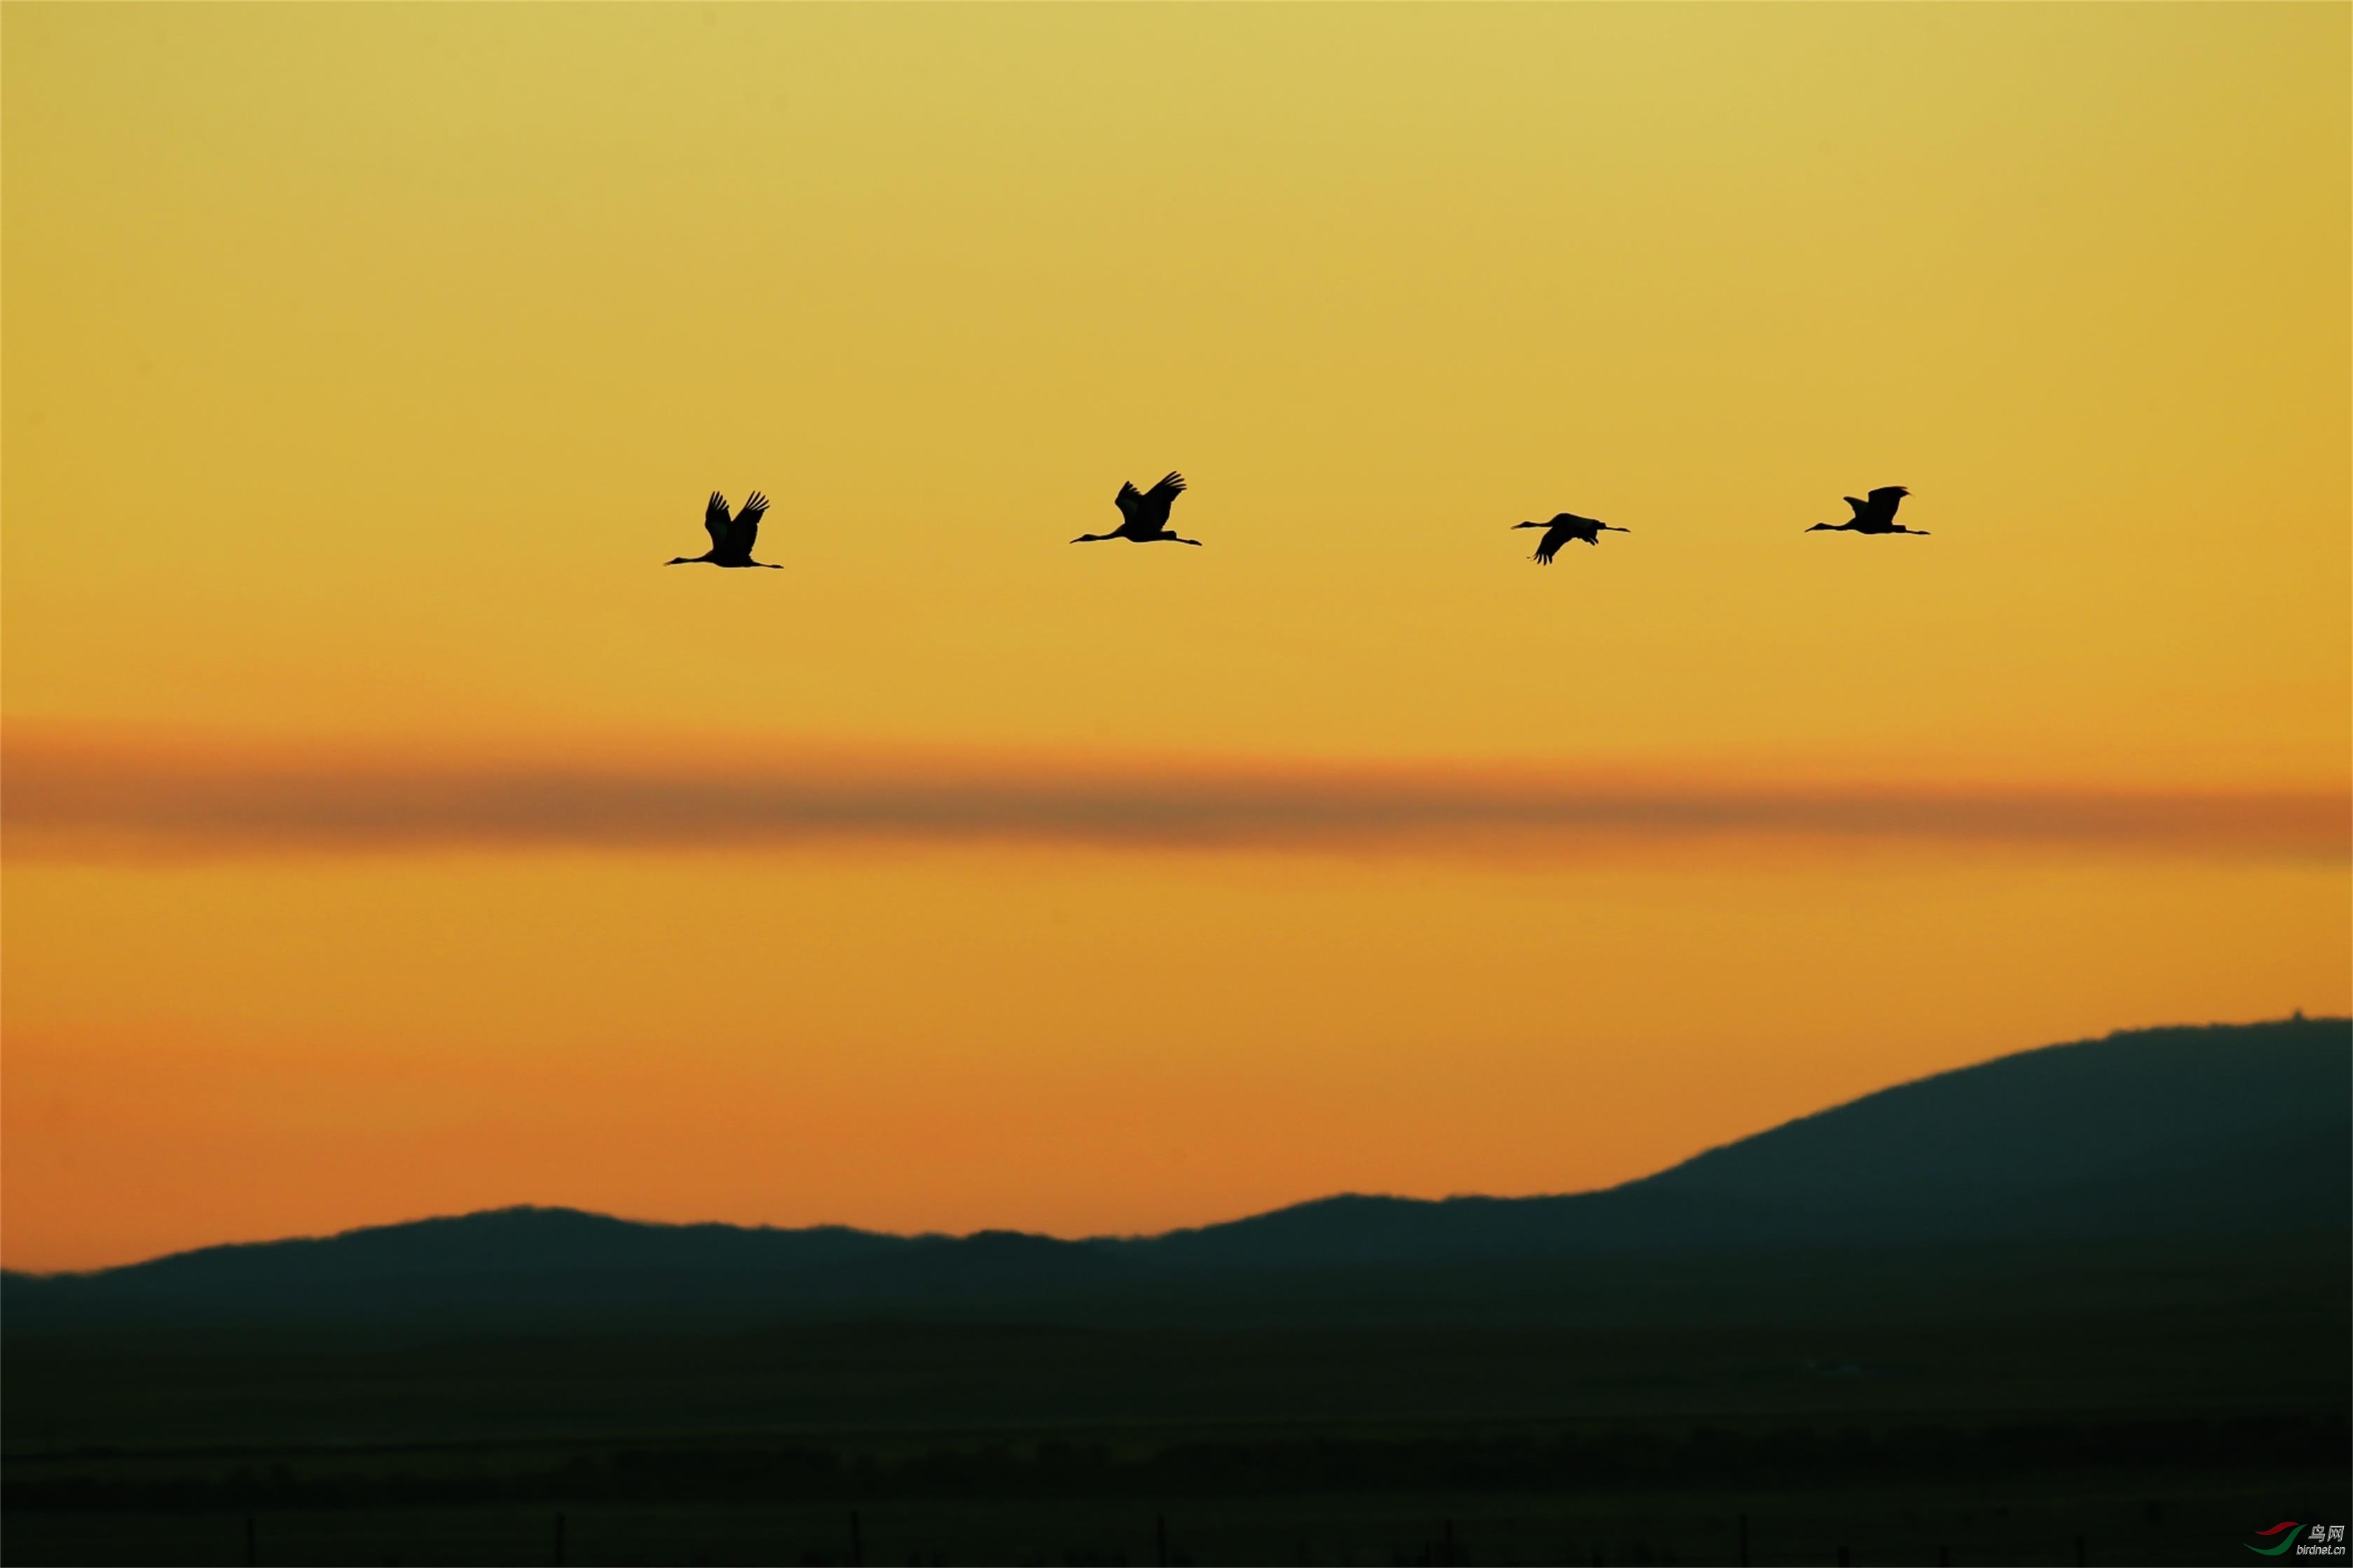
(1143, 515)
(1563, 528)
(731, 542)
(1874, 513)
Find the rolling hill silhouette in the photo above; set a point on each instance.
(2227, 1130)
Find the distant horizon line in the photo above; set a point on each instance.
(2297, 1017)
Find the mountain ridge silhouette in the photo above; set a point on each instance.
(2217, 1129)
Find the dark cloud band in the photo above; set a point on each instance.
(88, 803)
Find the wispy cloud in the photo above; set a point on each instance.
(72, 797)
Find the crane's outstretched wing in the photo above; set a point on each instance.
(714, 521)
(1887, 497)
(1161, 496)
(1146, 511)
(746, 531)
(1861, 508)
(1558, 534)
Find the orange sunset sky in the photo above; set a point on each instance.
(389, 834)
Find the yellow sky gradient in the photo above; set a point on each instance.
(362, 364)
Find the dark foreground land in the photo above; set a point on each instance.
(2092, 1303)
(2142, 1402)
(2029, 1524)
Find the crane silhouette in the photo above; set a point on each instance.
(1143, 515)
(1875, 513)
(1563, 528)
(731, 542)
